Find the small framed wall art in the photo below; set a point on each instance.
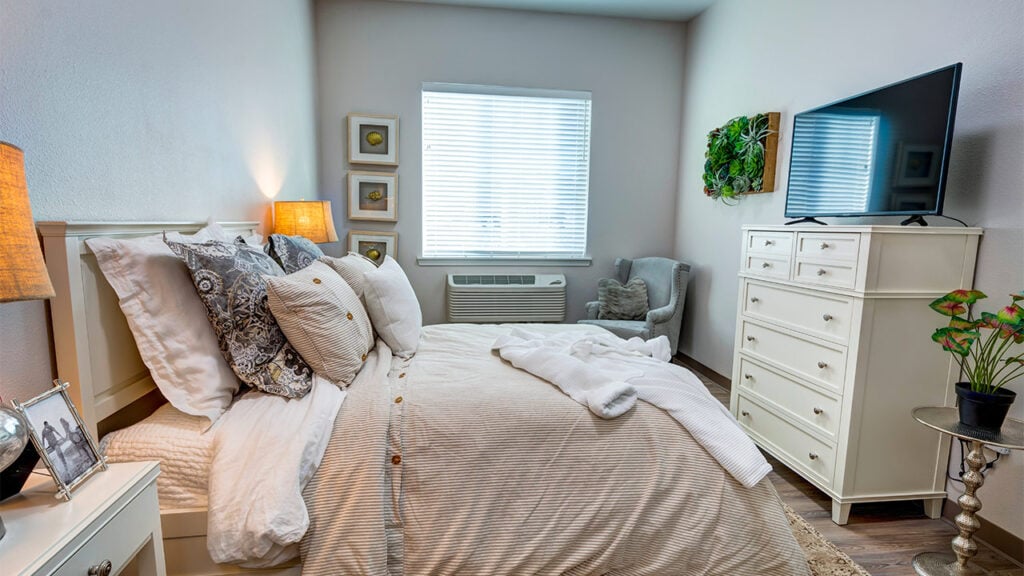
(373, 196)
(373, 245)
(61, 438)
(373, 139)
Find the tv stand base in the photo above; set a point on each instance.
(915, 219)
(807, 220)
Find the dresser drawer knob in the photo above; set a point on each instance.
(751, 338)
(822, 271)
(101, 569)
(769, 242)
(755, 299)
(812, 455)
(766, 265)
(818, 410)
(826, 317)
(748, 376)
(822, 365)
(824, 245)
(744, 413)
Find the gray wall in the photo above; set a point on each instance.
(747, 56)
(373, 56)
(150, 111)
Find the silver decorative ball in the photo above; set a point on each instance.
(13, 436)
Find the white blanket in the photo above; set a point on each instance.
(265, 450)
(590, 368)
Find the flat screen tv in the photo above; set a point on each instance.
(882, 153)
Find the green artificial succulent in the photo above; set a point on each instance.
(734, 162)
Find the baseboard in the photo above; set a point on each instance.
(708, 373)
(1002, 540)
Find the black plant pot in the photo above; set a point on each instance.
(986, 411)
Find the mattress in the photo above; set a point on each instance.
(178, 442)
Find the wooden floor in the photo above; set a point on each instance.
(883, 537)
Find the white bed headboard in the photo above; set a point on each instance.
(95, 350)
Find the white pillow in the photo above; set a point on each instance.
(168, 320)
(393, 307)
(323, 320)
(352, 268)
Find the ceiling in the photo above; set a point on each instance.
(678, 10)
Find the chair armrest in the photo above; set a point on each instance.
(592, 309)
(661, 315)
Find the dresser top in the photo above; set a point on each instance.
(875, 229)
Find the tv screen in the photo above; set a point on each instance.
(885, 152)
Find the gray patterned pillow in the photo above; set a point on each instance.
(622, 302)
(293, 253)
(228, 278)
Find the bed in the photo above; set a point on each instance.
(451, 461)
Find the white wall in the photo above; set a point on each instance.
(151, 111)
(747, 56)
(373, 57)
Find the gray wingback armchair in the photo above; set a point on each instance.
(666, 294)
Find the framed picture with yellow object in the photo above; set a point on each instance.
(374, 245)
(373, 196)
(373, 139)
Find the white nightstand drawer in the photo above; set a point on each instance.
(776, 243)
(814, 361)
(119, 540)
(804, 451)
(819, 314)
(838, 274)
(768, 266)
(827, 246)
(804, 402)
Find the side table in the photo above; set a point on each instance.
(947, 421)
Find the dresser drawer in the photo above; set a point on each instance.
(819, 246)
(774, 243)
(838, 274)
(120, 538)
(814, 408)
(812, 456)
(818, 314)
(825, 365)
(768, 266)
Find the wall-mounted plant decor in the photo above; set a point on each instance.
(741, 157)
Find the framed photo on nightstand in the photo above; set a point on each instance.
(61, 438)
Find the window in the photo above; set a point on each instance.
(505, 172)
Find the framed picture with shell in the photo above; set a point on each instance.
(374, 245)
(373, 139)
(373, 196)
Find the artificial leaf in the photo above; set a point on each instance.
(948, 307)
(965, 296)
(1010, 315)
(963, 324)
(954, 340)
(1018, 296)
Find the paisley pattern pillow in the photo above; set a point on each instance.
(229, 280)
(293, 253)
(617, 301)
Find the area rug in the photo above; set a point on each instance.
(823, 557)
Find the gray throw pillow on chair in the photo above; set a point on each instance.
(617, 301)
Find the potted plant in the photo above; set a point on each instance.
(988, 351)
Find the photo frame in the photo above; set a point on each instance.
(373, 139)
(71, 457)
(373, 196)
(373, 245)
(917, 165)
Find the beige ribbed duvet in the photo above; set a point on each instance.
(462, 464)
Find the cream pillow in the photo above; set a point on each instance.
(323, 320)
(352, 268)
(393, 307)
(168, 320)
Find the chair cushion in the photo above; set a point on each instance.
(619, 301)
(621, 328)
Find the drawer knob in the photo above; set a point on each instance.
(824, 245)
(766, 265)
(769, 242)
(748, 376)
(822, 365)
(818, 410)
(101, 569)
(751, 338)
(812, 455)
(744, 413)
(822, 271)
(826, 317)
(755, 299)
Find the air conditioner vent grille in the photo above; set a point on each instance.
(506, 298)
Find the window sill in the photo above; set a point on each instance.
(561, 262)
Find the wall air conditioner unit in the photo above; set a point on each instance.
(506, 298)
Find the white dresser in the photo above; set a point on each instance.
(834, 349)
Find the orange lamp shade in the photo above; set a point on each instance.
(22, 270)
(308, 218)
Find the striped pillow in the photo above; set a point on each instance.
(352, 268)
(323, 320)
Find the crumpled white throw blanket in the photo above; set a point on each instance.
(266, 448)
(608, 374)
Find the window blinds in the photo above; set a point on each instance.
(831, 168)
(505, 172)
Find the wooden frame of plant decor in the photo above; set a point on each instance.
(771, 150)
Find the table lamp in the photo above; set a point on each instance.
(309, 218)
(22, 276)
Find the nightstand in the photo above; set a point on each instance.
(112, 521)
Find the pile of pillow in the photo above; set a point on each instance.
(278, 313)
